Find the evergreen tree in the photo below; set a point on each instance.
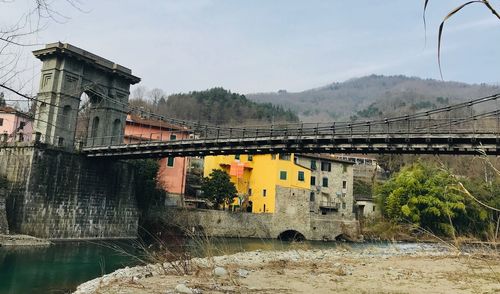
(218, 188)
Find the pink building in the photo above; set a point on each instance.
(172, 173)
(15, 125)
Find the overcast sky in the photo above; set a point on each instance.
(265, 45)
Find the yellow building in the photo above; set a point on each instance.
(258, 177)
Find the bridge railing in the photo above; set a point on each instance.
(478, 124)
(461, 118)
(18, 138)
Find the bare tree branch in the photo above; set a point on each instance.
(486, 3)
(15, 36)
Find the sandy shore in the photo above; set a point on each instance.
(410, 268)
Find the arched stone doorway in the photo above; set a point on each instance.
(69, 71)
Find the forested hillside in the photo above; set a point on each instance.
(216, 106)
(373, 96)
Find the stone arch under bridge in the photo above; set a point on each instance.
(68, 72)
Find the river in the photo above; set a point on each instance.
(63, 266)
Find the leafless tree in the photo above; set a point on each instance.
(139, 93)
(155, 95)
(18, 35)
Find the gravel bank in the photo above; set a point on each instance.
(402, 268)
(22, 240)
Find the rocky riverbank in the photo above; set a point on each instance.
(408, 268)
(22, 240)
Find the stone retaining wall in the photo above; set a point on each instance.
(4, 226)
(60, 195)
(292, 214)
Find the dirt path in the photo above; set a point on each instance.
(317, 271)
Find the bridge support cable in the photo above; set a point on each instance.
(426, 132)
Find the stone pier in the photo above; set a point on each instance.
(55, 194)
(4, 226)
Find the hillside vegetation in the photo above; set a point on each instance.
(217, 106)
(373, 97)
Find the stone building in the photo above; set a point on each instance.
(366, 172)
(365, 206)
(331, 184)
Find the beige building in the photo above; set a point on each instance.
(365, 206)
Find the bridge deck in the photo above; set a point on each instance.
(444, 143)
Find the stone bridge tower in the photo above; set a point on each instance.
(69, 71)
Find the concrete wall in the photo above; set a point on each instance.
(59, 195)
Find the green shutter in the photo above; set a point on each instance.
(170, 161)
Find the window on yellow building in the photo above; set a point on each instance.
(250, 157)
(237, 156)
(264, 208)
(282, 175)
(273, 156)
(325, 182)
(264, 192)
(301, 176)
(313, 180)
(285, 156)
(170, 161)
(249, 191)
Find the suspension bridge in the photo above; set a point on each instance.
(464, 128)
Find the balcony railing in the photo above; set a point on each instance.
(329, 204)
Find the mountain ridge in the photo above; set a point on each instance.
(373, 96)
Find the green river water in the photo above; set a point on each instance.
(63, 266)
